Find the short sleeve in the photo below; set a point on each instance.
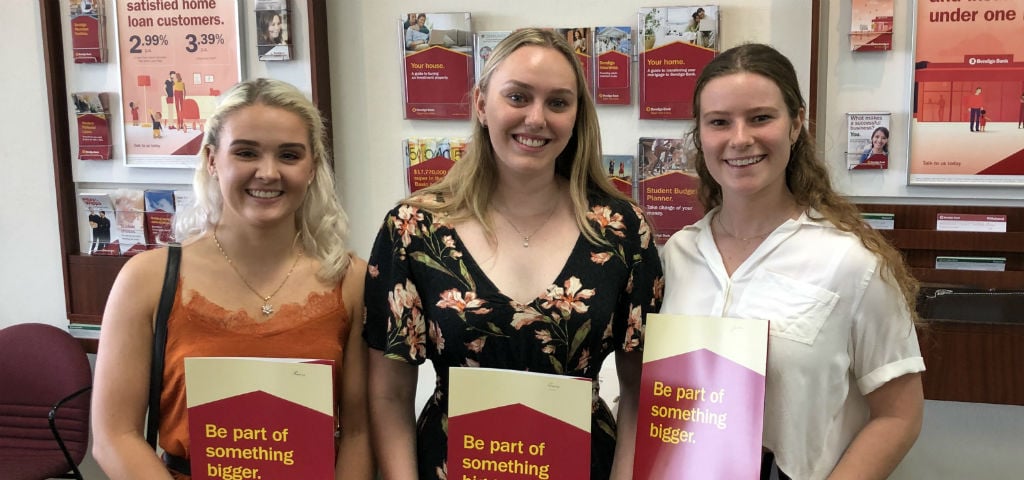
(885, 342)
(646, 286)
(394, 320)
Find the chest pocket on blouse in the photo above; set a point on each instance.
(796, 310)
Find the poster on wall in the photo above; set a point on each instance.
(176, 59)
(967, 126)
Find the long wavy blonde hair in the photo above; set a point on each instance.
(807, 176)
(467, 189)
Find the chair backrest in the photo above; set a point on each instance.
(41, 365)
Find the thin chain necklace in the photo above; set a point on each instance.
(526, 238)
(721, 226)
(267, 308)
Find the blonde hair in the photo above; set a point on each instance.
(466, 191)
(807, 176)
(320, 220)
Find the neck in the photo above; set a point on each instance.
(248, 245)
(527, 199)
(751, 219)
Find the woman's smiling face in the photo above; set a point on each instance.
(746, 133)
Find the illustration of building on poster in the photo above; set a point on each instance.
(581, 41)
(622, 173)
(613, 48)
(100, 216)
(666, 185)
(966, 94)
(701, 398)
(428, 159)
(867, 145)
(675, 43)
(483, 45)
(516, 424)
(273, 42)
(92, 115)
(260, 417)
(437, 65)
(175, 59)
(871, 25)
(88, 30)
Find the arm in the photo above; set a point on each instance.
(628, 365)
(121, 383)
(355, 458)
(392, 420)
(896, 411)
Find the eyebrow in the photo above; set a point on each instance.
(560, 91)
(253, 143)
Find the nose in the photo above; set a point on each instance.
(267, 168)
(535, 116)
(741, 137)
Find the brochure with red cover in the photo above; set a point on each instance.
(269, 418)
(92, 114)
(516, 424)
(702, 388)
(614, 49)
(88, 31)
(159, 218)
(437, 65)
(675, 44)
(428, 159)
(621, 172)
(581, 41)
(666, 186)
(100, 217)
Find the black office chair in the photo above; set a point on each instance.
(44, 405)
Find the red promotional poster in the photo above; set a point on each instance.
(968, 94)
(579, 38)
(428, 159)
(176, 59)
(260, 418)
(92, 114)
(677, 43)
(510, 424)
(613, 47)
(701, 398)
(88, 31)
(666, 186)
(871, 25)
(437, 66)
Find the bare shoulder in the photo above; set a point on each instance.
(352, 285)
(145, 270)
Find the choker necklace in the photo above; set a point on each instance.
(526, 238)
(721, 226)
(267, 308)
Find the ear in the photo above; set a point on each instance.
(798, 124)
(210, 167)
(479, 103)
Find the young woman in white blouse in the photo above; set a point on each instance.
(843, 396)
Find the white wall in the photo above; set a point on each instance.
(958, 440)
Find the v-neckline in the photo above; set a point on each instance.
(479, 273)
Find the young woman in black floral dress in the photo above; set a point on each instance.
(524, 257)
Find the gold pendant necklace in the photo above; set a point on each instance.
(267, 308)
(526, 238)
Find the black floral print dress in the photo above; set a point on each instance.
(426, 298)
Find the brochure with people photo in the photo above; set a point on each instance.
(867, 141)
(675, 44)
(273, 42)
(437, 65)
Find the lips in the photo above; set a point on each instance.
(744, 161)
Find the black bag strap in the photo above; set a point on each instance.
(156, 369)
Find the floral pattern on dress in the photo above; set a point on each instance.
(428, 299)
